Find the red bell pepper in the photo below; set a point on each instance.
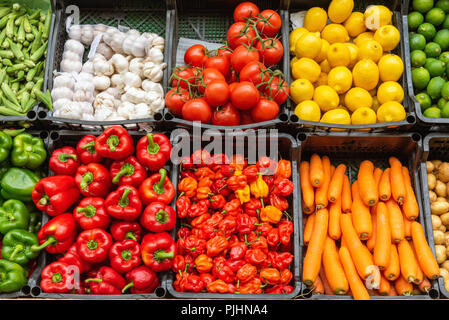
(72, 258)
(153, 151)
(182, 206)
(86, 150)
(90, 214)
(106, 281)
(122, 230)
(58, 234)
(115, 143)
(93, 245)
(157, 188)
(128, 171)
(124, 256)
(124, 203)
(158, 251)
(55, 194)
(57, 278)
(93, 180)
(158, 217)
(64, 161)
(141, 280)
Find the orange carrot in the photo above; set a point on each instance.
(371, 242)
(403, 288)
(316, 171)
(336, 184)
(361, 216)
(407, 227)
(393, 270)
(384, 286)
(307, 210)
(308, 229)
(409, 266)
(312, 260)
(318, 286)
(392, 292)
(425, 285)
(308, 194)
(332, 170)
(419, 273)
(377, 175)
(321, 192)
(358, 290)
(396, 221)
(383, 237)
(426, 259)
(334, 220)
(397, 180)
(326, 285)
(410, 205)
(384, 185)
(333, 269)
(367, 184)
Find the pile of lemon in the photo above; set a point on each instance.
(344, 71)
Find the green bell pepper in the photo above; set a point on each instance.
(18, 184)
(28, 151)
(5, 146)
(35, 222)
(4, 167)
(12, 276)
(13, 215)
(19, 246)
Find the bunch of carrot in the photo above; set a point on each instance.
(372, 220)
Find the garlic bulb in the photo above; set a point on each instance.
(153, 71)
(148, 86)
(139, 46)
(74, 46)
(105, 50)
(136, 66)
(115, 117)
(101, 83)
(104, 99)
(87, 34)
(86, 108)
(114, 38)
(132, 80)
(153, 99)
(61, 93)
(120, 63)
(102, 67)
(134, 95)
(141, 111)
(58, 104)
(155, 55)
(70, 111)
(158, 43)
(84, 91)
(64, 80)
(70, 55)
(128, 43)
(88, 67)
(126, 110)
(75, 32)
(84, 76)
(116, 93)
(70, 66)
(117, 81)
(99, 28)
(102, 113)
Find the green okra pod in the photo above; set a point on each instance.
(44, 97)
(35, 15)
(39, 52)
(11, 105)
(10, 112)
(6, 54)
(10, 28)
(47, 25)
(9, 94)
(21, 33)
(4, 11)
(16, 50)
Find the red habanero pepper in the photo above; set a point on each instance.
(203, 263)
(246, 273)
(153, 151)
(232, 207)
(235, 265)
(193, 245)
(182, 206)
(227, 171)
(206, 278)
(271, 276)
(93, 180)
(220, 187)
(283, 187)
(186, 163)
(216, 245)
(72, 258)
(187, 186)
(90, 213)
(200, 233)
(258, 242)
(228, 225)
(127, 171)
(56, 278)
(281, 260)
(179, 283)
(86, 150)
(203, 193)
(285, 231)
(64, 161)
(238, 162)
(246, 223)
(273, 237)
(237, 182)
(93, 245)
(201, 158)
(251, 173)
(284, 169)
(217, 201)
(183, 232)
(286, 276)
(58, 234)
(115, 143)
(215, 219)
(238, 251)
(255, 256)
(252, 207)
(194, 283)
(266, 166)
(124, 203)
(158, 251)
(157, 188)
(278, 201)
(158, 217)
(179, 263)
(122, 230)
(221, 271)
(106, 281)
(141, 280)
(209, 230)
(233, 239)
(199, 221)
(269, 180)
(218, 160)
(124, 256)
(205, 182)
(217, 286)
(187, 174)
(280, 289)
(251, 287)
(219, 175)
(204, 172)
(199, 208)
(264, 229)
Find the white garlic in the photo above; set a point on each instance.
(63, 80)
(136, 65)
(105, 50)
(149, 85)
(101, 82)
(155, 55)
(132, 80)
(61, 93)
(88, 67)
(120, 63)
(75, 32)
(74, 46)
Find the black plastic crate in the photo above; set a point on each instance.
(288, 149)
(57, 139)
(351, 149)
(209, 21)
(145, 16)
(401, 51)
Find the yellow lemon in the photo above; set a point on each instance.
(306, 68)
(326, 97)
(340, 79)
(340, 10)
(388, 37)
(323, 53)
(353, 53)
(325, 67)
(336, 116)
(376, 104)
(315, 19)
(308, 110)
(300, 90)
(355, 24)
(370, 49)
(377, 16)
(308, 45)
(294, 36)
(338, 55)
(365, 74)
(390, 91)
(369, 35)
(322, 80)
(363, 115)
(334, 33)
(391, 67)
(356, 98)
(391, 111)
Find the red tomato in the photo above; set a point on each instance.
(232, 86)
(208, 75)
(217, 93)
(245, 117)
(242, 56)
(196, 55)
(254, 72)
(186, 75)
(270, 23)
(197, 110)
(279, 91)
(245, 10)
(221, 63)
(234, 34)
(244, 95)
(271, 51)
(175, 99)
(226, 115)
(264, 110)
(224, 51)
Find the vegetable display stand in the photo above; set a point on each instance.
(145, 16)
(209, 21)
(57, 139)
(245, 144)
(401, 50)
(351, 149)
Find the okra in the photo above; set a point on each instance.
(15, 87)
(29, 37)
(4, 11)
(37, 86)
(6, 54)
(47, 25)
(2, 36)
(18, 21)
(9, 112)
(24, 99)
(16, 7)
(11, 105)
(2, 75)
(37, 42)
(9, 94)
(44, 97)
(35, 15)
(15, 67)
(42, 17)
(6, 62)
(10, 28)
(31, 74)
(26, 44)
(29, 63)
(26, 25)
(15, 49)
(30, 104)
(19, 77)
(5, 44)
(21, 33)
(39, 52)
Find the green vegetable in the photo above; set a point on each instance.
(5, 146)
(45, 98)
(21, 32)
(28, 151)
(18, 183)
(12, 276)
(6, 54)
(13, 215)
(47, 25)
(10, 112)
(39, 52)
(19, 246)
(26, 25)
(11, 105)
(10, 28)
(8, 93)
(15, 49)
(35, 222)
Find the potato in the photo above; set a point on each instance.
(445, 265)
(445, 218)
(443, 172)
(433, 196)
(444, 273)
(439, 208)
(440, 189)
(438, 237)
(431, 181)
(447, 251)
(436, 164)
(430, 166)
(436, 222)
(441, 199)
(442, 228)
(446, 239)
(440, 252)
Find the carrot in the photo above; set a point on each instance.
(407, 227)
(316, 171)
(308, 194)
(367, 183)
(361, 216)
(332, 170)
(403, 288)
(359, 253)
(392, 292)
(333, 269)
(384, 286)
(419, 273)
(308, 228)
(318, 286)
(396, 221)
(334, 220)
(371, 242)
(358, 290)
(410, 205)
(393, 270)
(377, 175)
(425, 285)
(385, 186)
(409, 266)
(336, 184)
(312, 260)
(321, 192)
(327, 287)
(307, 210)
(397, 180)
(383, 237)
(426, 259)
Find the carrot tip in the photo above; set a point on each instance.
(364, 236)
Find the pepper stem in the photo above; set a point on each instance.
(113, 142)
(88, 211)
(56, 277)
(87, 179)
(63, 157)
(126, 255)
(159, 187)
(93, 279)
(92, 244)
(162, 216)
(50, 240)
(17, 249)
(44, 200)
(160, 255)
(90, 147)
(129, 285)
(124, 200)
(126, 170)
(130, 235)
(153, 147)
